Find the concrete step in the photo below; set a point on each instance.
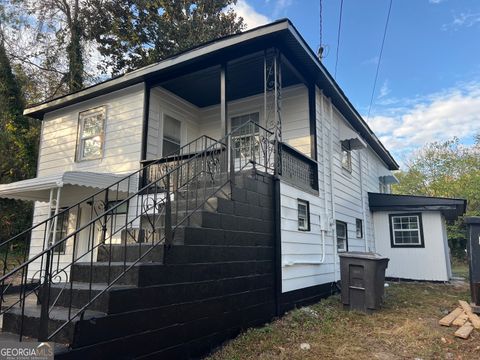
(130, 252)
(14, 320)
(105, 272)
(79, 294)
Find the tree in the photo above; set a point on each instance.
(18, 148)
(50, 39)
(135, 33)
(446, 169)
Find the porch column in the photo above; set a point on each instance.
(272, 96)
(223, 99)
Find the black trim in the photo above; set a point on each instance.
(306, 296)
(146, 113)
(449, 207)
(346, 234)
(277, 245)
(361, 228)
(312, 112)
(392, 243)
(308, 214)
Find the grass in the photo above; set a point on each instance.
(460, 268)
(406, 328)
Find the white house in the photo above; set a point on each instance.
(229, 176)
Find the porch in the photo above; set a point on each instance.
(262, 88)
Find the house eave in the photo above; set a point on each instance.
(449, 207)
(281, 32)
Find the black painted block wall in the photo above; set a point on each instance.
(216, 281)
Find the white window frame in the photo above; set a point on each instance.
(303, 221)
(247, 137)
(346, 158)
(176, 118)
(82, 116)
(345, 238)
(418, 230)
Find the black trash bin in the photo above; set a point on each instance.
(363, 278)
(473, 250)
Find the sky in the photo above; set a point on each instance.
(428, 86)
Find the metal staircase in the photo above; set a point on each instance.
(136, 227)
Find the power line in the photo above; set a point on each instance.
(320, 45)
(380, 58)
(338, 37)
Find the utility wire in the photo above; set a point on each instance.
(379, 59)
(338, 37)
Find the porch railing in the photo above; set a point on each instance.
(186, 178)
(297, 168)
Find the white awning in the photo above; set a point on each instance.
(350, 138)
(76, 185)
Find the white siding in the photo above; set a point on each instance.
(164, 102)
(121, 155)
(429, 263)
(349, 190)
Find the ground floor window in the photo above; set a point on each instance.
(342, 236)
(406, 230)
(60, 231)
(303, 215)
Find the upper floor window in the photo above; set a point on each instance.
(359, 228)
(342, 236)
(91, 134)
(244, 142)
(303, 215)
(171, 135)
(346, 158)
(406, 230)
(383, 187)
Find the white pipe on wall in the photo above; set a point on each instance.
(334, 228)
(362, 197)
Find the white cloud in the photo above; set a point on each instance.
(251, 17)
(371, 61)
(384, 90)
(437, 117)
(463, 20)
(280, 7)
(435, 1)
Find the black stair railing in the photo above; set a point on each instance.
(144, 208)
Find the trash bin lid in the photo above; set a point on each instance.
(362, 255)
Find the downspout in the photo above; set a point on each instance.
(360, 159)
(334, 228)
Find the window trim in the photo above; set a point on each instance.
(357, 220)
(79, 147)
(346, 235)
(420, 230)
(307, 204)
(64, 215)
(176, 118)
(349, 167)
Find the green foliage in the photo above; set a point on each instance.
(446, 169)
(135, 33)
(18, 148)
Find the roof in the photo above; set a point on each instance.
(281, 33)
(78, 184)
(450, 208)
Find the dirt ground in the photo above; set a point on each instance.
(406, 328)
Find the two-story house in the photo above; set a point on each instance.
(182, 202)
